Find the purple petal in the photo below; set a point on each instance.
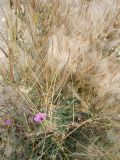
(39, 117)
(8, 121)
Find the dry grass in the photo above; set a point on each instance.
(79, 101)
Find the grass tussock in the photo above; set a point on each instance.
(81, 110)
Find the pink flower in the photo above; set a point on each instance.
(39, 117)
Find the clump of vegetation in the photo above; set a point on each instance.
(55, 118)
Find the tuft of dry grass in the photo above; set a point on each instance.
(41, 74)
